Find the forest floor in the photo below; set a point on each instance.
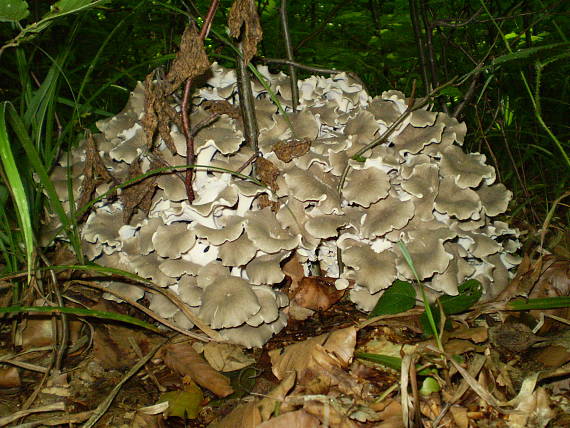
(338, 368)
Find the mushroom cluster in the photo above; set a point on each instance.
(223, 253)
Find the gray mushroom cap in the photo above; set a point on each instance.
(228, 302)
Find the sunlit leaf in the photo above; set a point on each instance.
(399, 297)
(13, 10)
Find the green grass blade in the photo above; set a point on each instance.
(34, 159)
(14, 181)
(81, 312)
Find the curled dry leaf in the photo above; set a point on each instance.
(138, 195)
(94, 171)
(182, 358)
(334, 350)
(244, 13)
(191, 60)
(317, 293)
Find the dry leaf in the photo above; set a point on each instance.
(317, 293)
(225, 357)
(138, 195)
(182, 358)
(244, 416)
(322, 352)
(297, 419)
(475, 334)
(94, 171)
(533, 411)
(191, 60)
(220, 107)
(324, 411)
(243, 13)
(267, 173)
(9, 377)
(273, 400)
(288, 150)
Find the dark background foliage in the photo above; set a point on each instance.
(490, 47)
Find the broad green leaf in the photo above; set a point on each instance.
(400, 297)
(13, 10)
(469, 293)
(184, 404)
(16, 188)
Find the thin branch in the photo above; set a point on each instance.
(419, 42)
(449, 23)
(185, 111)
(246, 102)
(321, 27)
(301, 66)
(289, 52)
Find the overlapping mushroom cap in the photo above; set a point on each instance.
(223, 253)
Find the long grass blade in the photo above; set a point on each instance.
(14, 182)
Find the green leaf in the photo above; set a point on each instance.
(386, 360)
(64, 7)
(393, 362)
(451, 91)
(399, 297)
(544, 303)
(13, 10)
(184, 404)
(469, 293)
(527, 53)
(429, 385)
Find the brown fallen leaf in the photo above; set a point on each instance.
(334, 349)
(297, 419)
(317, 293)
(182, 358)
(325, 412)
(254, 412)
(244, 416)
(225, 357)
(9, 377)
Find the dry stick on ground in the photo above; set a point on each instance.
(23, 413)
(289, 52)
(144, 309)
(184, 110)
